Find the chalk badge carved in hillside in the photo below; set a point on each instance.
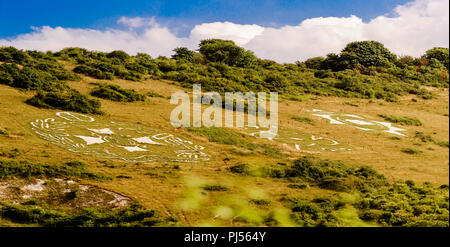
(358, 122)
(107, 139)
(301, 141)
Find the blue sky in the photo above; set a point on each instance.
(17, 17)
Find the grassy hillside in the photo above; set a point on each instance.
(247, 180)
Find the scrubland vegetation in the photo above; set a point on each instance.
(363, 70)
(305, 189)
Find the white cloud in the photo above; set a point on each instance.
(411, 29)
(240, 34)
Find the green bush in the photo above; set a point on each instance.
(28, 169)
(440, 54)
(367, 53)
(69, 100)
(405, 204)
(29, 78)
(133, 216)
(227, 52)
(215, 187)
(303, 120)
(411, 151)
(93, 72)
(116, 93)
(409, 121)
(443, 144)
(183, 53)
(240, 169)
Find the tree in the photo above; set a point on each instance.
(314, 63)
(440, 54)
(226, 51)
(183, 53)
(118, 54)
(367, 53)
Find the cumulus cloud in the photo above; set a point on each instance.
(240, 34)
(410, 29)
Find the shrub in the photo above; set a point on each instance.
(227, 52)
(118, 54)
(92, 72)
(411, 151)
(27, 169)
(215, 187)
(261, 202)
(116, 93)
(303, 120)
(133, 216)
(443, 144)
(29, 78)
(367, 53)
(69, 100)
(154, 95)
(333, 175)
(440, 54)
(423, 137)
(409, 121)
(183, 53)
(240, 169)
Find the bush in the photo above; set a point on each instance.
(227, 52)
(133, 216)
(333, 175)
(409, 121)
(406, 205)
(440, 54)
(69, 100)
(116, 93)
(240, 169)
(27, 169)
(29, 78)
(303, 120)
(215, 187)
(92, 72)
(411, 151)
(443, 144)
(183, 53)
(261, 202)
(367, 53)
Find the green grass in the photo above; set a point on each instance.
(409, 121)
(223, 136)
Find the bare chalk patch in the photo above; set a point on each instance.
(60, 192)
(358, 122)
(108, 139)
